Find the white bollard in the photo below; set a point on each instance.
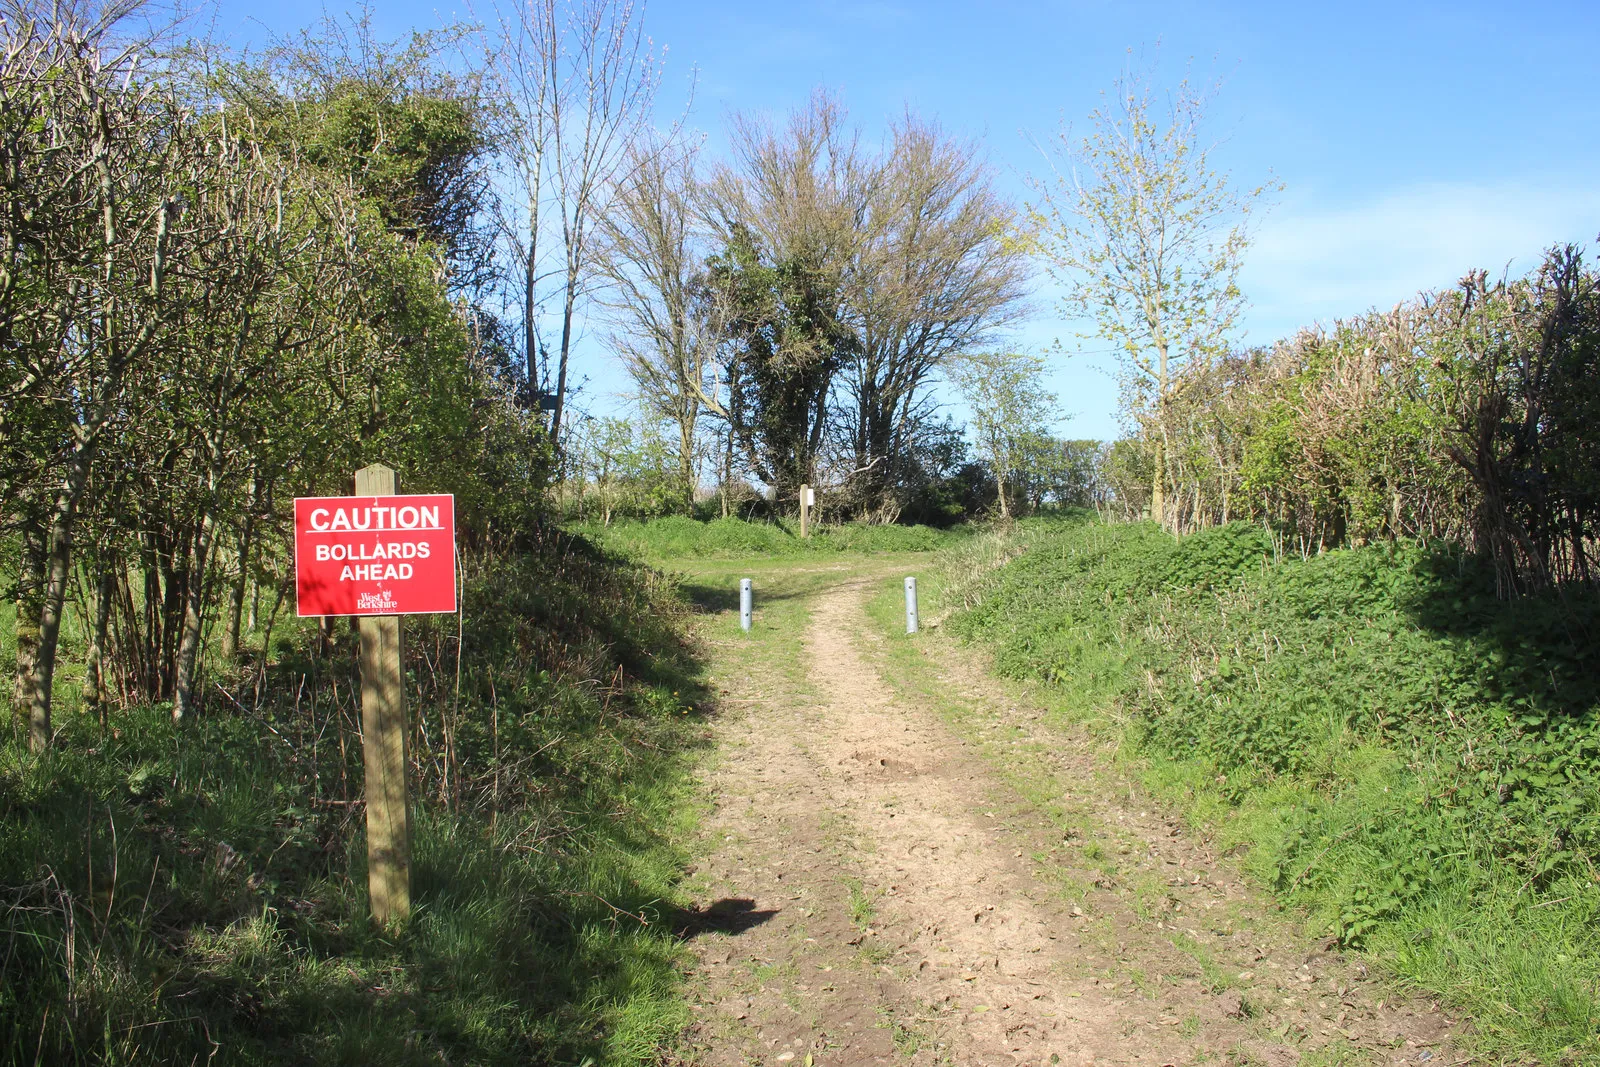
(744, 604)
(911, 605)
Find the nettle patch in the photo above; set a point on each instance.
(1413, 759)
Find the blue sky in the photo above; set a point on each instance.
(1414, 140)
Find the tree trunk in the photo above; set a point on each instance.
(183, 699)
(530, 335)
(325, 636)
(95, 695)
(153, 570)
(230, 632)
(236, 594)
(30, 605)
(57, 568)
(727, 471)
(45, 599)
(561, 369)
(173, 559)
(1158, 483)
(131, 647)
(686, 463)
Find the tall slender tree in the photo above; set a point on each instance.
(1012, 411)
(665, 328)
(578, 82)
(1146, 238)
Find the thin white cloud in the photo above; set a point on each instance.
(1309, 264)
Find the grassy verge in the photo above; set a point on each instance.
(197, 893)
(1412, 762)
(783, 590)
(679, 537)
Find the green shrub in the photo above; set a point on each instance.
(196, 892)
(1413, 760)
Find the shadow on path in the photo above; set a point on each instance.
(712, 599)
(730, 915)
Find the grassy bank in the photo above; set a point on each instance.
(1413, 762)
(196, 893)
(678, 537)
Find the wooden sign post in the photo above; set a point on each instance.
(805, 510)
(383, 743)
(379, 556)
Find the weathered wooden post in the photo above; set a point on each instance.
(383, 743)
(911, 605)
(806, 498)
(379, 556)
(744, 604)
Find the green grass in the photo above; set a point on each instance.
(783, 589)
(680, 538)
(197, 893)
(863, 909)
(67, 684)
(1214, 980)
(1413, 763)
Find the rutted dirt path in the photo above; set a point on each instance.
(879, 888)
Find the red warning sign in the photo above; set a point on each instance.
(375, 555)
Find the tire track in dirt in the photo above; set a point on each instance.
(880, 898)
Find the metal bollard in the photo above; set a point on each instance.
(911, 605)
(744, 604)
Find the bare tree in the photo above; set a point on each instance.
(666, 329)
(1147, 239)
(787, 214)
(936, 275)
(578, 80)
(520, 62)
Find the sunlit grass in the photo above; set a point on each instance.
(1342, 821)
(196, 893)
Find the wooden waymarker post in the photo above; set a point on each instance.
(379, 556)
(807, 498)
(383, 743)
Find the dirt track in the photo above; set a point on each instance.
(878, 888)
